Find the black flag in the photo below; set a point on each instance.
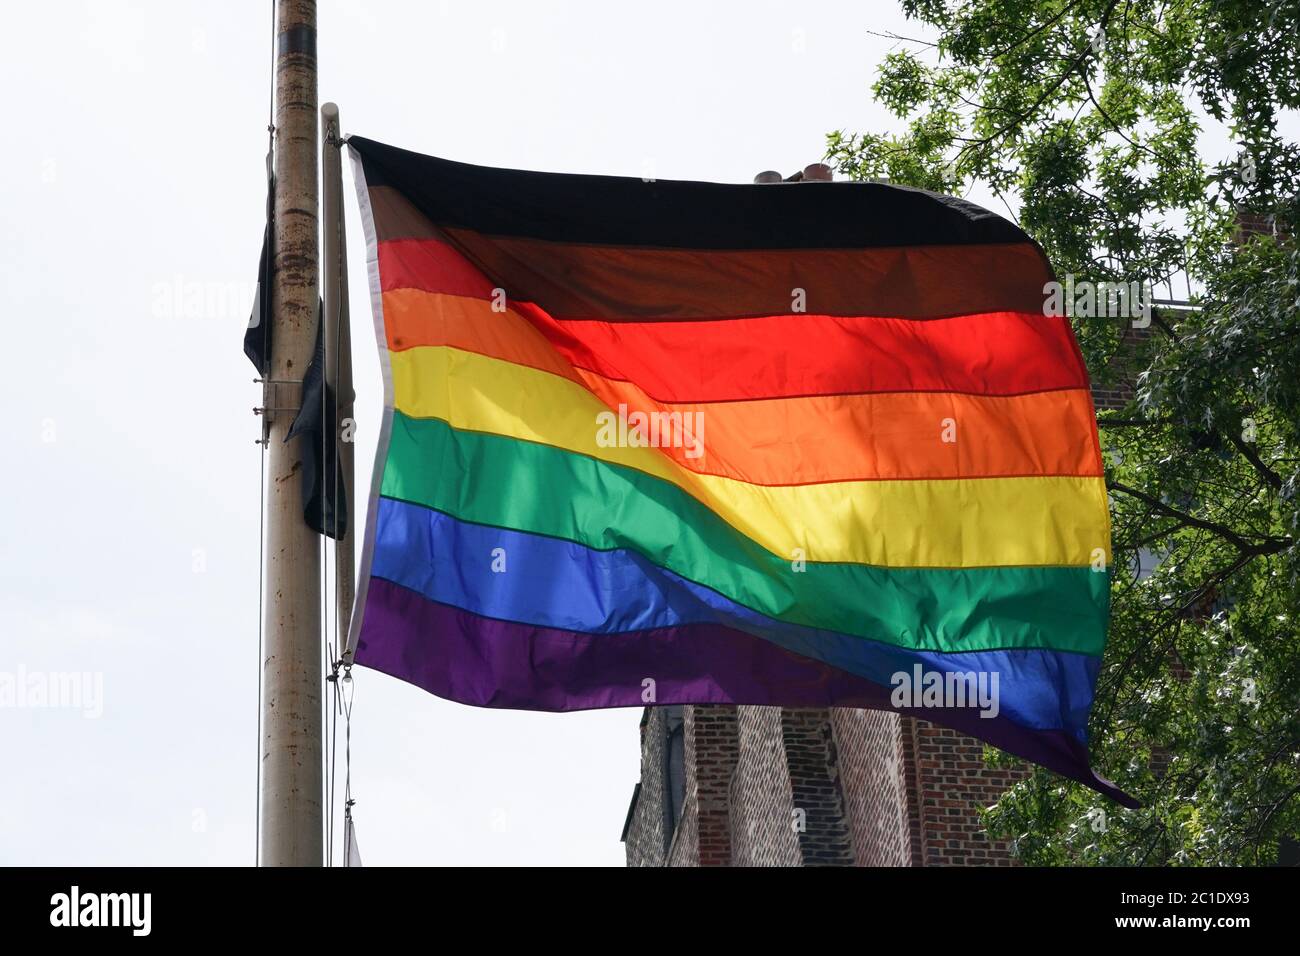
(257, 339)
(325, 506)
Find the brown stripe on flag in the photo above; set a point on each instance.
(576, 281)
(396, 217)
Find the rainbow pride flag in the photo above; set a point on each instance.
(678, 442)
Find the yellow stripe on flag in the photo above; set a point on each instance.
(941, 523)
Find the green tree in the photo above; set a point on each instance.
(1086, 117)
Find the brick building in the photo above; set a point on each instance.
(772, 786)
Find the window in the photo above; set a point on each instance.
(674, 770)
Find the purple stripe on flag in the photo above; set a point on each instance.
(491, 663)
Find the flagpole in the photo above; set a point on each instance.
(338, 350)
(292, 776)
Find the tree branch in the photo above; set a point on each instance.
(1271, 477)
(1270, 545)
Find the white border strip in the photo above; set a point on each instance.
(386, 428)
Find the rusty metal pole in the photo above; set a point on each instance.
(291, 805)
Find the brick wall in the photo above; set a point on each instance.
(873, 788)
(818, 806)
(712, 750)
(875, 769)
(701, 836)
(954, 784)
(684, 850)
(1113, 389)
(643, 833)
(762, 801)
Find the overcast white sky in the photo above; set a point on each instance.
(132, 201)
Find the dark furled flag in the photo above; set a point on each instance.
(324, 499)
(679, 442)
(257, 337)
(325, 507)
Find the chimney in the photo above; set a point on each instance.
(812, 173)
